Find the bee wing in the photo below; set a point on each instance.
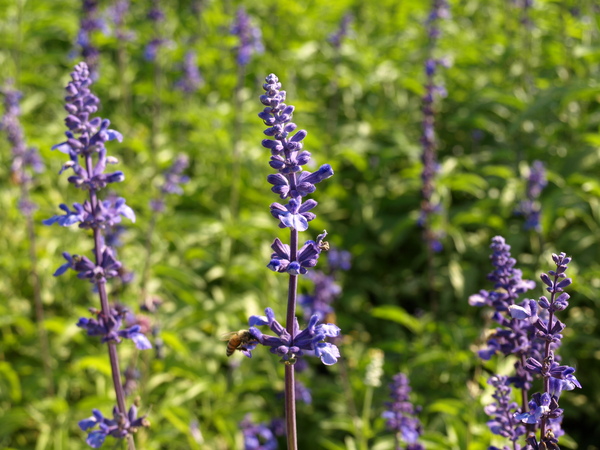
(228, 336)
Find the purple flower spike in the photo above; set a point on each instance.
(429, 207)
(287, 157)
(88, 159)
(544, 412)
(502, 411)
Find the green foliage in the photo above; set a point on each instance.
(516, 93)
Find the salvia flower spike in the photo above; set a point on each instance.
(544, 412)
(293, 184)
(88, 159)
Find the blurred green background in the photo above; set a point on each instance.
(523, 86)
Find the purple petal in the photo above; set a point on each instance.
(141, 341)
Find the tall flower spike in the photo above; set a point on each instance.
(292, 183)
(85, 145)
(544, 411)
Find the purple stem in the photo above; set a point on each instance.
(547, 355)
(101, 285)
(290, 392)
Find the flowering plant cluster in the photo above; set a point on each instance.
(529, 331)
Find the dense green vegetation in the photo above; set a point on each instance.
(523, 86)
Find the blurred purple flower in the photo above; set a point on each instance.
(131, 375)
(502, 411)
(530, 207)
(339, 259)
(259, 436)
(119, 426)
(173, 181)
(250, 37)
(26, 161)
(90, 22)
(400, 415)
(191, 79)
(117, 12)
(428, 139)
(337, 38)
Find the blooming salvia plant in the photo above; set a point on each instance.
(88, 159)
(529, 331)
(293, 184)
(400, 415)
